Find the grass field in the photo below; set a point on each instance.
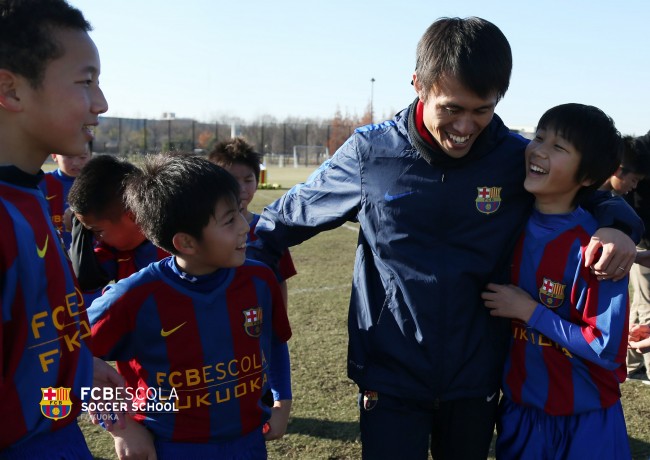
(324, 419)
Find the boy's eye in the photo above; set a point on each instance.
(451, 110)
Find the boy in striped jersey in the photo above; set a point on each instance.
(56, 186)
(49, 102)
(205, 326)
(107, 245)
(569, 330)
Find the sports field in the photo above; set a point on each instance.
(323, 424)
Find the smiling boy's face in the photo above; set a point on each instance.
(60, 114)
(551, 166)
(223, 241)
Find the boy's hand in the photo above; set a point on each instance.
(639, 338)
(67, 220)
(105, 376)
(134, 442)
(279, 420)
(509, 301)
(617, 257)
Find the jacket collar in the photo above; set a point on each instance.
(426, 146)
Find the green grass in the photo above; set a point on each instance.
(324, 421)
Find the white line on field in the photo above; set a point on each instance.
(351, 227)
(323, 288)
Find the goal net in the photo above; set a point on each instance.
(309, 155)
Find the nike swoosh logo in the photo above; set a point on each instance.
(389, 197)
(50, 197)
(491, 397)
(126, 260)
(41, 251)
(165, 333)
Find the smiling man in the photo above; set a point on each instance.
(438, 193)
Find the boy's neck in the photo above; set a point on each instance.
(191, 268)
(554, 206)
(15, 155)
(607, 186)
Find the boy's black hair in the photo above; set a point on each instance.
(98, 190)
(177, 193)
(593, 134)
(472, 50)
(235, 151)
(26, 40)
(633, 160)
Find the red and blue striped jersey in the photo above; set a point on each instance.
(211, 345)
(55, 185)
(122, 264)
(570, 357)
(286, 268)
(44, 332)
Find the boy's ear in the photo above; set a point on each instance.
(128, 213)
(587, 182)
(185, 244)
(9, 99)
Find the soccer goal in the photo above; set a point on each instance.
(306, 155)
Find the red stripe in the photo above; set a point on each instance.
(241, 295)
(516, 375)
(56, 292)
(31, 208)
(193, 423)
(54, 187)
(552, 265)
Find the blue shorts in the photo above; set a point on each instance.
(66, 443)
(528, 433)
(248, 447)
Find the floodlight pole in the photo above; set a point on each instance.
(372, 92)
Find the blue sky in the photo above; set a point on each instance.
(208, 59)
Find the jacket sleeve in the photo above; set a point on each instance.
(331, 196)
(89, 272)
(615, 212)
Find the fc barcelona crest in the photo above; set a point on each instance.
(551, 293)
(253, 321)
(56, 403)
(488, 199)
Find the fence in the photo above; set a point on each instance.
(275, 141)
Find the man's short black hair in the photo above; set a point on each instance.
(472, 50)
